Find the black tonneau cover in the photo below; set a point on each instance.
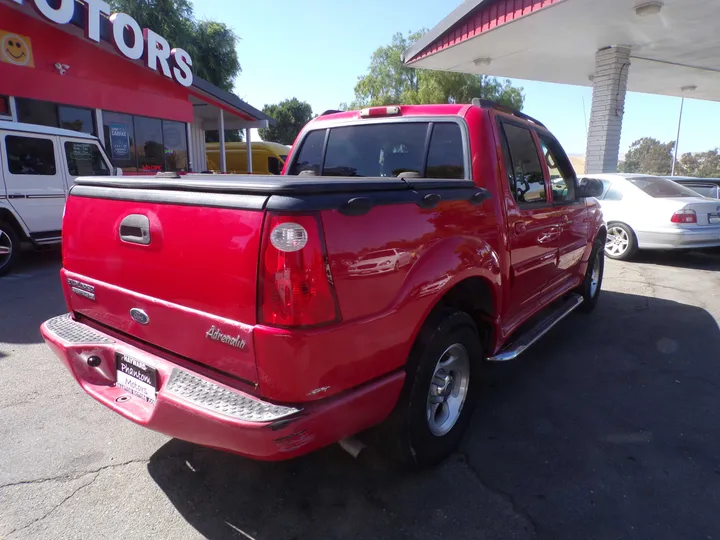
(270, 184)
(349, 195)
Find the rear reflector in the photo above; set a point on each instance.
(686, 215)
(295, 281)
(371, 112)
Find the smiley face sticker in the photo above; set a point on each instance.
(16, 49)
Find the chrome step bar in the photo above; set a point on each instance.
(529, 337)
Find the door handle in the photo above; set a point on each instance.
(135, 229)
(551, 234)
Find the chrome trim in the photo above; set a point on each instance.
(524, 341)
(220, 400)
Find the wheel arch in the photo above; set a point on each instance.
(9, 217)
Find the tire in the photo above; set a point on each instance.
(440, 389)
(621, 242)
(592, 283)
(9, 248)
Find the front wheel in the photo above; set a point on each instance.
(592, 283)
(440, 389)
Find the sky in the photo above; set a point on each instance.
(315, 50)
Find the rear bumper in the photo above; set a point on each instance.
(197, 409)
(680, 238)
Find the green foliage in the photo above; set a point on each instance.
(389, 82)
(649, 156)
(700, 164)
(290, 117)
(210, 44)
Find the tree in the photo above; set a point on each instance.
(701, 164)
(210, 44)
(389, 81)
(649, 156)
(290, 117)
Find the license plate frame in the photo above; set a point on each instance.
(136, 377)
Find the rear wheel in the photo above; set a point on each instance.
(9, 248)
(440, 389)
(621, 243)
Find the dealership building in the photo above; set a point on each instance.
(72, 64)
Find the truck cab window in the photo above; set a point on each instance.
(85, 159)
(274, 165)
(562, 174)
(445, 156)
(30, 155)
(527, 171)
(309, 157)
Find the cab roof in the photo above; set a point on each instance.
(45, 130)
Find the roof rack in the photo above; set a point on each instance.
(330, 111)
(488, 104)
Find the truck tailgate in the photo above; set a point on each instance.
(185, 268)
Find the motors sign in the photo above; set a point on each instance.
(134, 44)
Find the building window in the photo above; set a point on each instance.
(176, 148)
(5, 106)
(141, 144)
(119, 136)
(85, 159)
(33, 111)
(77, 119)
(46, 113)
(149, 144)
(30, 155)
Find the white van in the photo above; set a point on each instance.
(38, 165)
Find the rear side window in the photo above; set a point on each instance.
(30, 155)
(85, 159)
(660, 188)
(445, 156)
(527, 181)
(274, 165)
(385, 149)
(310, 154)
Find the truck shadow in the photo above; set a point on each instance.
(609, 425)
(30, 295)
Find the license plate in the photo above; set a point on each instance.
(136, 377)
(714, 219)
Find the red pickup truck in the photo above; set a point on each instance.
(269, 316)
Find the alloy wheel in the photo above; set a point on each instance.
(617, 242)
(448, 389)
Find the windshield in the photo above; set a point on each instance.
(660, 188)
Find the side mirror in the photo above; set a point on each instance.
(588, 187)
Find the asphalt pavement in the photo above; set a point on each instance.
(607, 429)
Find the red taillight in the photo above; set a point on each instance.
(685, 215)
(295, 280)
(370, 112)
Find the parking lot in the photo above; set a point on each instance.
(609, 428)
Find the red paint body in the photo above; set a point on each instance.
(202, 268)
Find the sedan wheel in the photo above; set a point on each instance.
(620, 243)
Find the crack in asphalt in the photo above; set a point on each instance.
(72, 476)
(66, 499)
(517, 509)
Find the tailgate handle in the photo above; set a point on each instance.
(135, 229)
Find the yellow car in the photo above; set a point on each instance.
(267, 157)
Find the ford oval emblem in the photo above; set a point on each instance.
(139, 316)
